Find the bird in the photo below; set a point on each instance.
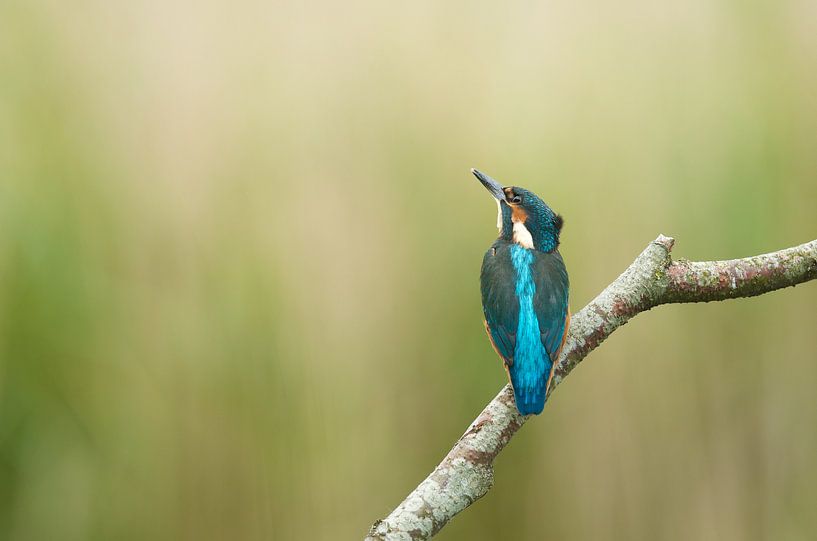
(525, 287)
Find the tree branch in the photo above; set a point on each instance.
(466, 473)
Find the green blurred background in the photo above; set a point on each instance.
(240, 247)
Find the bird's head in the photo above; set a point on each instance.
(522, 216)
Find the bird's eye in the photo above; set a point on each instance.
(516, 199)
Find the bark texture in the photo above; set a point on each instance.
(466, 473)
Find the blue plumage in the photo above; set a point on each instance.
(531, 361)
(525, 287)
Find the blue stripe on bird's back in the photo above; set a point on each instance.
(531, 362)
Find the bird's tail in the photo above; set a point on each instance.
(529, 392)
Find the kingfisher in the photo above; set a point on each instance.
(525, 287)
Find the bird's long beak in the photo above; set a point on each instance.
(490, 184)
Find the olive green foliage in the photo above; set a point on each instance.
(240, 246)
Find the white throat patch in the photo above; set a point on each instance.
(498, 214)
(522, 236)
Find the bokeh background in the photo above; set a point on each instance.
(240, 246)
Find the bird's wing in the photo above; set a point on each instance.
(550, 300)
(499, 302)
